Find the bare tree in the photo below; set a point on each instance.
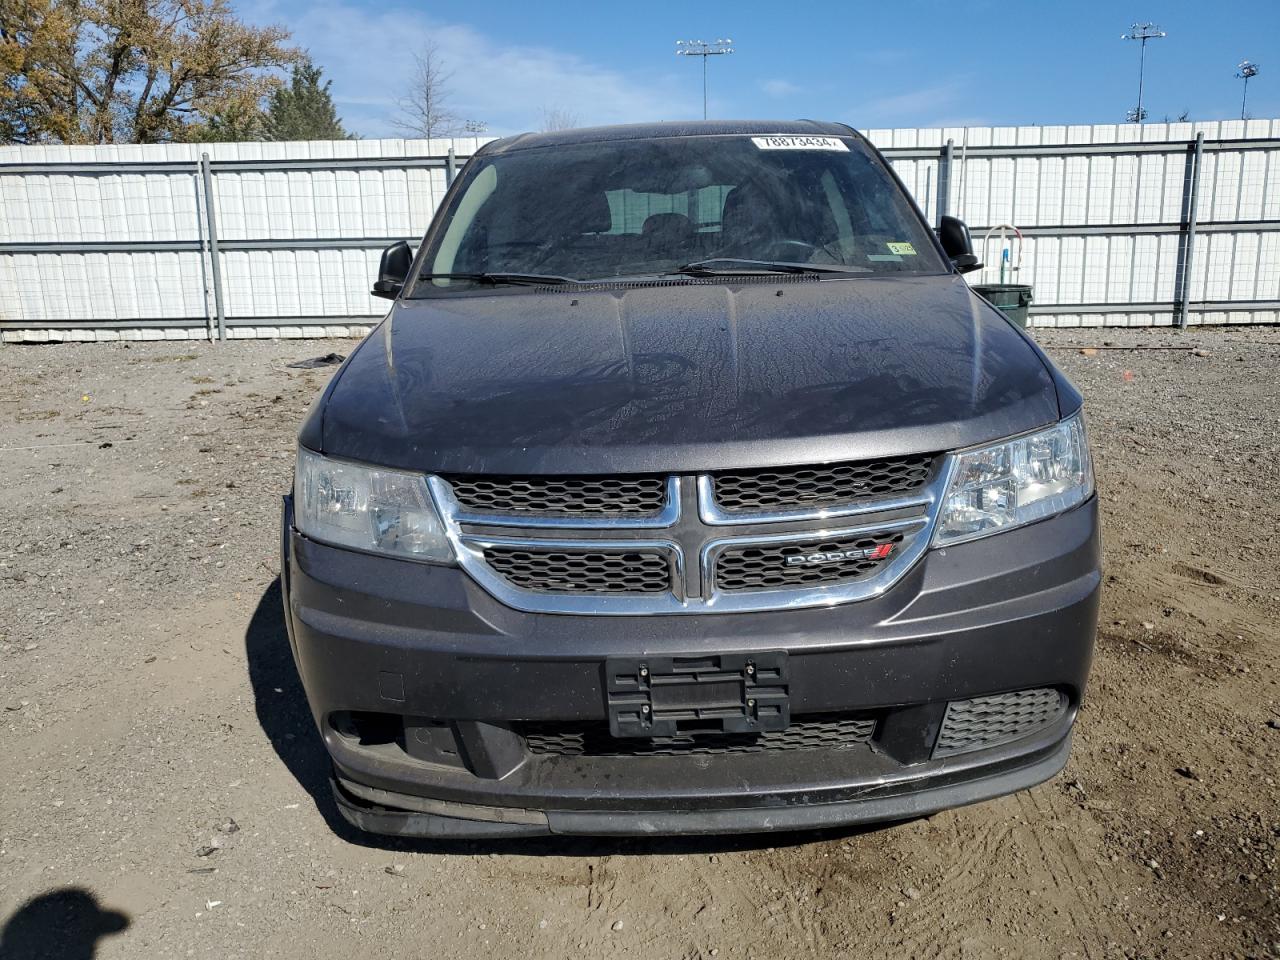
(555, 118)
(424, 110)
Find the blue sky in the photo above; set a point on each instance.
(898, 63)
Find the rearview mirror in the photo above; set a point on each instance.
(954, 235)
(393, 271)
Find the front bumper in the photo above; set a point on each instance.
(424, 645)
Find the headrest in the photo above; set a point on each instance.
(590, 214)
(667, 223)
(745, 205)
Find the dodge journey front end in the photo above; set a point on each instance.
(687, 487)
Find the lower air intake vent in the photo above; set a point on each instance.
(987, 721)
(586, 571)
(594, 740)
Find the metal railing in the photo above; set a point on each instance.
(201, 227)
(1163, 232)
(1244, 279)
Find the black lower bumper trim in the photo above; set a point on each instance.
(459, 821)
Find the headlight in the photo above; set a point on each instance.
(1016, 482)
(368, 508)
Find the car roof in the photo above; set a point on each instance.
(673, 128)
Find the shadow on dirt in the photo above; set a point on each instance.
(286, 720)
(65, 924)
(282, 710)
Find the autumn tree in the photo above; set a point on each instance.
(139, 71)
(303, 110)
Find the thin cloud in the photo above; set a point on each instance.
(913, 108)
(780, 88)
(506, 86)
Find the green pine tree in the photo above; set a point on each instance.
(236, 122)
(303, 110)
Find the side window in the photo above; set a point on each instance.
(709, 207)
(631, 208)
(464, 217)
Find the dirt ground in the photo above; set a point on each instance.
(149, 710)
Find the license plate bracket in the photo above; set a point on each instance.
(667, 696)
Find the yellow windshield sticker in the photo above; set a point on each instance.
(902, 249)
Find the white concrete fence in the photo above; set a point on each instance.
(114, 242)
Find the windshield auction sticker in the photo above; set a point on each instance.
(788, 142)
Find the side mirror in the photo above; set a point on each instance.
(393, 271)
(956, 241)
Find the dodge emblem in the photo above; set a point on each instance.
(839, 556)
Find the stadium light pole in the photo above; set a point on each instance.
(1247, 69)
(700, 48)
(1142, 32)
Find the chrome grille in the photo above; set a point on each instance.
(783, 488)
(581, 571)
(774, 566)
(594, 739)
(550, 544)
(618, 496)
(987, 721)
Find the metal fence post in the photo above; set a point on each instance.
(450, 168)
(214, 258)
(1191, 198)
(204, 269)
(944, 179)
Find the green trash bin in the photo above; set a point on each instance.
(1013, 299)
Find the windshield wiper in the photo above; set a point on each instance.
(517, 279)
(736, 266)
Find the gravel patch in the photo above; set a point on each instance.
(164, 790)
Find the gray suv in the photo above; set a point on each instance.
(687, 488)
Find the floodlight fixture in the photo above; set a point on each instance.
(1247, 70)
(1142, 32)
(703, 49)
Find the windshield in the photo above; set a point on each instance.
(643, 208)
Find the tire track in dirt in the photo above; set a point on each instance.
(1016, 849)
(951, 911)
(1077, 879)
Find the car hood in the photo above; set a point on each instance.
(683, 377)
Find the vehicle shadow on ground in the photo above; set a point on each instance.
(286, 720)
(65, 923)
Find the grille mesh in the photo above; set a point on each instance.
(753, 491)
(765, 566)
(594, 740)
(986, 721)
(587, 571)
(562, 496)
